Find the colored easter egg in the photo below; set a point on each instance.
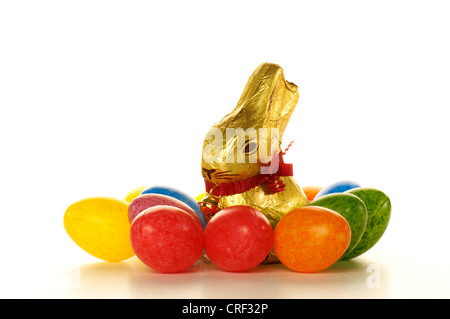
(378, 207)
(311, 238)
(200, 196)
(352, 208)
(100, 226)
(338, 187)
(311, 192)
(145, 201)
(134, 193)
(238, 238)
(166, 239)
(185, 198)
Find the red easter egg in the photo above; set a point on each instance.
(145, 201)
(311, 238)
(166, 238)
(238, 238)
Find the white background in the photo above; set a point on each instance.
(99, 97)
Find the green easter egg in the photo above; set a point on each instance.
(378, 207)
(352, 208)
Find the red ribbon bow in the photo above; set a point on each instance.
(270, 175)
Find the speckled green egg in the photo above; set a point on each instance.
(378, 207)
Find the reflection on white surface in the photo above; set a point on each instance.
(358, 278)
(132, 279)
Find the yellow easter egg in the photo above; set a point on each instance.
(200, 196)
(134, 193)
(100, 226)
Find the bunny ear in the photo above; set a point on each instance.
(268, 100)
(282, 102)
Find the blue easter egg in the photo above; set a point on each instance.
(175, 193)
(338, 187)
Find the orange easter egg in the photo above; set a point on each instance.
(311, 238)
(311, 192)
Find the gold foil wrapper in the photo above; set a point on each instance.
(267, 102)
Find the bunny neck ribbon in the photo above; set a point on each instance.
(270, 177)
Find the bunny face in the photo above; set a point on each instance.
(234, 156)
(246, 139)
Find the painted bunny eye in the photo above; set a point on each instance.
(250, 147)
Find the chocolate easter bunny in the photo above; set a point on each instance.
(248, 169)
